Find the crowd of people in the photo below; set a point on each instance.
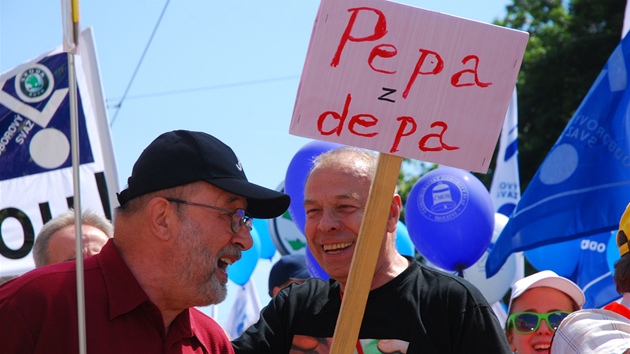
(186, 215)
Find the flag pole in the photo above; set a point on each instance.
(71, 42)
(74, 127)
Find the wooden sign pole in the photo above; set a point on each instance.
(366, 254)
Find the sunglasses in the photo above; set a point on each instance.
(528, 322)
(239, 216)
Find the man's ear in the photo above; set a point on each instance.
(160, 218)
(394, 213)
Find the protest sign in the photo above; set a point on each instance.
(408, 82)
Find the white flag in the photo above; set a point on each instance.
(505, 189)
(245, 311)
(36, 180)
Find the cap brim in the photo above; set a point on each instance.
(262, 203)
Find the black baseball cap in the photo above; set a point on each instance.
(289, 267)
(180, 157)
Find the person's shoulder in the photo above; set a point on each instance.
(440, 280)
(313, 292)
(40, 282)
(202, 320)
(441, 276)
(309, 287)
(209, 332)
(42, 274)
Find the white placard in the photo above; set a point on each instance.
(407, 81)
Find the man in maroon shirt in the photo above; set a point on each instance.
(184, 217)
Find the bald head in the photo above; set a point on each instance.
(55, 242)
(359, 162)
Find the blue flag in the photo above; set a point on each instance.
(583, 186)
(593, 274)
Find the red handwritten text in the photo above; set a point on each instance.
(365, 125)
(429, 62)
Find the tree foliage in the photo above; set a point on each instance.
(568, 47)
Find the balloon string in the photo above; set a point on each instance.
(460, 272)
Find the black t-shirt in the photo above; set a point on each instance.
(422, 310)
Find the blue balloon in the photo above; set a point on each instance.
(241, 270)
(314, 268)
(495, 287)
(267, 247)
(404, 245)
(450, 218)
(295, 179)
(561, 257)
(612, 252)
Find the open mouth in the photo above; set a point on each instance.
(335, 248)
(542, 348)
(224, 263)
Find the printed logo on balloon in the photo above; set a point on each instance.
(450, 218)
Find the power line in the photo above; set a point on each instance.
(207, 88)
(139, 63)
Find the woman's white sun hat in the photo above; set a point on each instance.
(550, 279)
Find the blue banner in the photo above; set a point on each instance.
(583, 186)
(593, 274)
(35, 120)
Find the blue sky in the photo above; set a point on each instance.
(224, 67)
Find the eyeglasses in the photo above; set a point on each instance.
(528, 322)
(239, 216)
